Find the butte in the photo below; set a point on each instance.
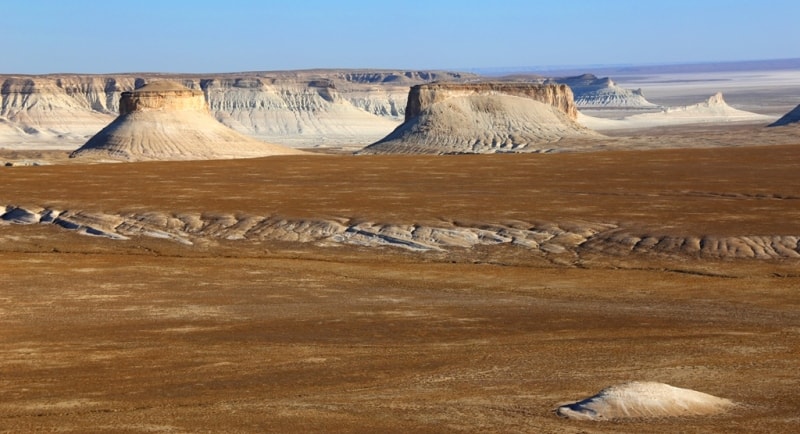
(165, 120)
(483, 117)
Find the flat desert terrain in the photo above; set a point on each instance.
(249, 334)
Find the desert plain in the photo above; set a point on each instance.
(223, 329)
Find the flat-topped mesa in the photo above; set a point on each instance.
(162, 95)
(557, 95)
(483, 117)
(164, 120)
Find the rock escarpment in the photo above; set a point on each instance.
(562, 239)
(299, 108)
(443, 118)
(423, 96)
(593, 92)
(36, 109)
(167, 121)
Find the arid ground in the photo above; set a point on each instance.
(150, 335)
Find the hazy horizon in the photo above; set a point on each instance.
(48, 36)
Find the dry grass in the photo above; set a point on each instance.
(150, 335)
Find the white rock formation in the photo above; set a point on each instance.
(488, 117)
(299, 108)
(713, 110)
(644, 400)
(167, 121)
(593, 92)
(555, 238)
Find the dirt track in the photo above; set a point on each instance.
(149, 335)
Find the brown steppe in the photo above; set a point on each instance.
(148, 335)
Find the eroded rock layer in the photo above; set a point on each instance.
(167, 121)
(451, 118)
(299, 108)
(563, 239)
(421, 97)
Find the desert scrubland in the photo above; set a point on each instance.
(331, 292)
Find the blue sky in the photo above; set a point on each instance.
(48, 36)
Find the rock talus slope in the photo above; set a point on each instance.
(167, 121)
(444, 118)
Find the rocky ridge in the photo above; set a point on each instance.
(563, 239)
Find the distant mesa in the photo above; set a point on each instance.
(793, 117)
(593, 92)
(714, 110)
(165, 120)
(483, 117)
(642, 400)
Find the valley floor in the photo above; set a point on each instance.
(254, 335)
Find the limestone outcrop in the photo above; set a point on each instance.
(488, 117)
(298, 108)
(593, 92)
(423, 96)
(165, 120)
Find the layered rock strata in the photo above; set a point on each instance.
(300, 108)
(423, 96)
(165, 120)
(447, 118)
(593, 92)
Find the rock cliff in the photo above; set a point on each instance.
(488, 117)
(164, 120)
(300, 108)
(423, 96)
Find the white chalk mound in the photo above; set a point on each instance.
(714, 110)
(644, 400)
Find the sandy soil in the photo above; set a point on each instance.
(149, 335)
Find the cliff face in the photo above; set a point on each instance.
(163, 96)
(423, 96)
(299, 108)
(45, 108)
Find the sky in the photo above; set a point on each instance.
(202, 36)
